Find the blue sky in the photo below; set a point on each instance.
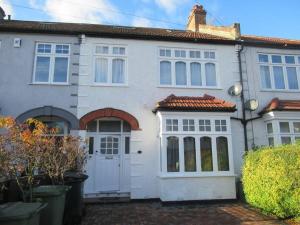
(279, 18)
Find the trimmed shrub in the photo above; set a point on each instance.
(271, 180)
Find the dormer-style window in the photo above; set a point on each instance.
(279, 72)
(110, 65)
(51, 64)
(186, 68)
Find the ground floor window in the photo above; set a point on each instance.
(283, 132)
(186, 150)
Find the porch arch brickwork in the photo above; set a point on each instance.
(109, 112)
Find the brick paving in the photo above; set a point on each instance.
(154, 213)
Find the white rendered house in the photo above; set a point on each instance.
(167, 113)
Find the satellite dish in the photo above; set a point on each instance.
(235, 90)
(251, 104)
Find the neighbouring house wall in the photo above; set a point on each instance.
(257, 134)
(142, 93)
(17, 92)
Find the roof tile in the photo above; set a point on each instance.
(186, 103)
(282, 105)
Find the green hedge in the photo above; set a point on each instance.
(271, 180)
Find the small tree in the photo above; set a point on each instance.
(21, 149)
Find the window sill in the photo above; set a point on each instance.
(51, 84)
(280, 90)
(109, 85)
(196, 175)
(190, 87)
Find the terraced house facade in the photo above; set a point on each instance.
(167, 113)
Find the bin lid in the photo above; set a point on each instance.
(50, 190)
(19, 210)
(74, 175)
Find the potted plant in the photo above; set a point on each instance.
(20, 157)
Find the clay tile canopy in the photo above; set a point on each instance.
(206, 103)
(281, 105)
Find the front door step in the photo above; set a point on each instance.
(107, 200)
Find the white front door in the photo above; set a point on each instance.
(107, 163)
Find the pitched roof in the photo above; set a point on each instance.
(206, 103)
(281, 105)
(109, 31)
(283, 42)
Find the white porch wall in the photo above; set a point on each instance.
(141, 95)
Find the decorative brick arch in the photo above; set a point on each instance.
(109, 112)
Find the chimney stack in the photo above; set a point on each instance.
(197, 17)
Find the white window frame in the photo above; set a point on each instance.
(110, 57)
(188, 60)
(180, 134)
(52, 55)
(284, 66)
(277, 134)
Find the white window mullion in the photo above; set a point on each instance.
(198, 152)
(181, 154)
(52, 65)
(214, 153)
(286, 83)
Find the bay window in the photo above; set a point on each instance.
(283, 131)
(195, 146)
(279, 72)
(110, 65)
(177, 68)
(51, 64)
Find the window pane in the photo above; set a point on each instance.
(110, 126)
(206, 154)
(62, 49)
(127, 145)
(180, 72)
(210, 74)
(292, 77)
(101, 49)
(290, 59)
(60, 69)
(92, 126)
(269, 128)
(296, 127)
(286, 140)
(101, 70)
(222, 154)
(284, 127)
(91, 145)
(165, 73)
(196, 74)
(118, 71)
(278, 77)
(42, 69)
(276, 59)
(265, 77)
(172, 154)
(263, 58)
(271, 141)
(44, 48)
(126, 127)
(195, 54)
(189, 154)
(119, 50)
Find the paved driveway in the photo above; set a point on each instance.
(142, 213)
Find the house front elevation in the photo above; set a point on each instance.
(166, 113)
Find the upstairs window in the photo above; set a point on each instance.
(186, 68)
(110, 65)
(51, 63)
(279, 72)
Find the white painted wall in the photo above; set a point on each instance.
(140, 97)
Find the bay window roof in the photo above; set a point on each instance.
(281, 105)
(206, 103)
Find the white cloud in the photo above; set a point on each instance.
(141, 22)
(6, 6)
(78, 11)
(170, 6)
